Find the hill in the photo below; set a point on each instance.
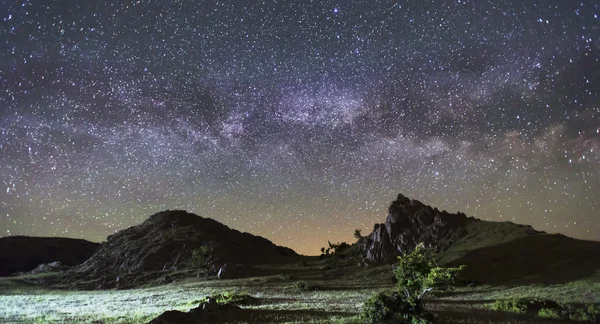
(494, 252)
(167, 241)
(25, 253)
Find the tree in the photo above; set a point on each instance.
(334, 248)
(418, 275)
(202, 259)
(357, 234)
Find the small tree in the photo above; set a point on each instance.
(202, 259)
(417, 275)
(334, 248)
(357, 234)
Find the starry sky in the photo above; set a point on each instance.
(297, 120)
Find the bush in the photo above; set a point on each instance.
(229, 298)
(202, 257)
(393, 308)
(549, 313)
(548, 308)
(303, 286)
(589, 313)
(417, 275)
(530, 306)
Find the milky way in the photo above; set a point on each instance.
(297, 120)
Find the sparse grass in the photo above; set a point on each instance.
(340, 298)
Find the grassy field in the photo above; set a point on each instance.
(300, 293)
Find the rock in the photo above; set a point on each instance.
(24, 253)
(166, 240)
(410, 222)
(207, 312)
(55, 266)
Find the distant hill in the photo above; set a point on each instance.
(494, 252)
(166, 241)
(24, 253)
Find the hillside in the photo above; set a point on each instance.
(25, 253)
(494, 252)
(166, 241)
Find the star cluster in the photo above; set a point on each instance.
(297, 120)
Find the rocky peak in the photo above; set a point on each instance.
(410, 222)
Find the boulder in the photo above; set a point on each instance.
(207, 312)
(55, 266)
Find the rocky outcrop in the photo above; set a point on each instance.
(55, 266)
(24, 253)
(207, 312)
(167, 241)
(410, 222)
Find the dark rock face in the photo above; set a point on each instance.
(23, 253)
(165, 241)
(408, 223)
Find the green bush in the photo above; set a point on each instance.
(588, 313)
(393, 308)
(549, 313)
(548, 308)
(231, 298)
(530, 306)
(417, 275)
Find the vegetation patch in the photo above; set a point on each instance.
(229, 298)
(548, 309)
(302, 285)
(417, 275)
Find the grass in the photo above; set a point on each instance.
(276, 298)
(318, 290)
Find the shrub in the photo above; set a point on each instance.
(393, 308)
(549, 313)
(530, 306)
(589, 313)
(303, 286)
(231, 298)
(548, 308)
(202, 257)
(334, 248)
(417, 275)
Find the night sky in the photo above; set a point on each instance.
(297, 120)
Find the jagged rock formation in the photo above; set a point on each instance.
(410, 222)
(165, 241)
(24, 253)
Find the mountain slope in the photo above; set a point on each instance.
(166, 241)
(494, 252)
(25, 253)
